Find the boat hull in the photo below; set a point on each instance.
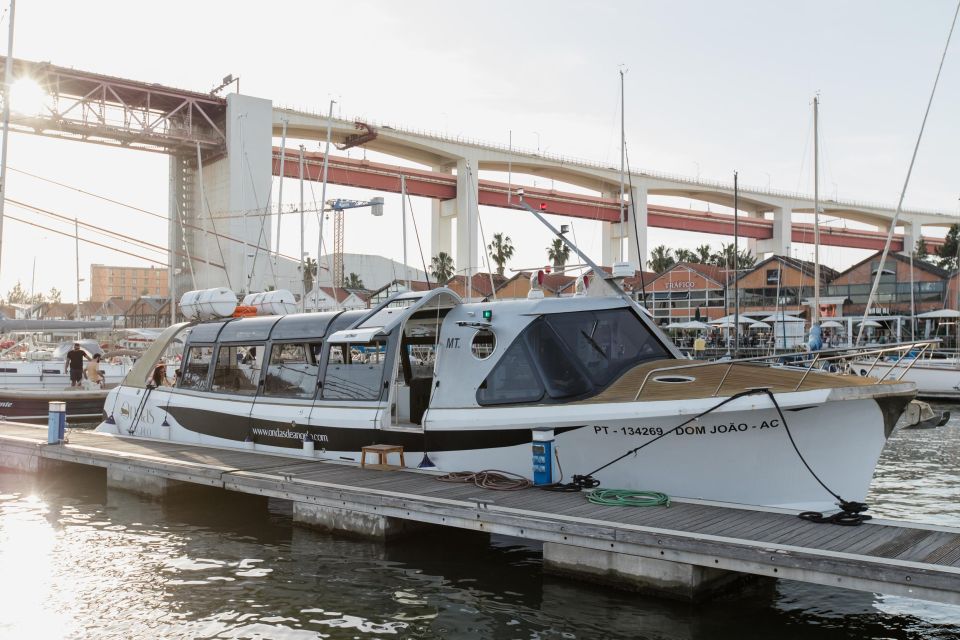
(33, 406)
(739, 453)
(933, 379)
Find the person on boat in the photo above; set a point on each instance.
(94, 374)
(74, 363)
(159, 377)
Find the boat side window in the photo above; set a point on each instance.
(237, 369)
(292, 371)
(558, 368)
(196, 367)
(606, 342)
(514, 379)
(354, 371)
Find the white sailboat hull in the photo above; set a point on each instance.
(934, 379)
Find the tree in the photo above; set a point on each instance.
(558, 253)
(704, 252)
(947, 253)
(353, 282)
(18, 295)
(661, 258)
(685, 255)
(309, 273)
(725, 258)
(501, 250)
(55, 295)
(441, 267)
(920, 250)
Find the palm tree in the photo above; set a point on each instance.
(501, 250)
(558, 253)
(661, 258)
(704, 252)
(309, 273)
(353, 282)
(441, 267)
(726, 257)
(685, 255)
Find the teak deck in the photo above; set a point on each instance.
(920, 561)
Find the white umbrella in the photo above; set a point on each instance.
(696, 324)
(783, 318)
(726, 324)
(759, 325)
(869, 323)
(940, 313)
(832, 324)
(731, 319)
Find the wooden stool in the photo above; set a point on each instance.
(382, 451)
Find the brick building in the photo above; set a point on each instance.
(127, 282)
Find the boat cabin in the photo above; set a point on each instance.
(421, 349)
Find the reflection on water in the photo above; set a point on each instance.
(78, 560)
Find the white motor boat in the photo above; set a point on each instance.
(469, 384)
(935, 377)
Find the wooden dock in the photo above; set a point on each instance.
(690, 538)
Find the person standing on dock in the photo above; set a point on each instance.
(94, 374)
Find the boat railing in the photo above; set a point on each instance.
(810, 361)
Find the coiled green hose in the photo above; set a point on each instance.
(628, 498)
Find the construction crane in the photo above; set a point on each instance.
(338, 206)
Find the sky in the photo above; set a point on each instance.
(710, 88)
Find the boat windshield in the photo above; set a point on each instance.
(569, 355)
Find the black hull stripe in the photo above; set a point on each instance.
(241, 428)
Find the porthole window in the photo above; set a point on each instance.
(483, 345)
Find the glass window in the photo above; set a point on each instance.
(292, 371)
(354, 371)
(773, 276)
(194, 371)
(558, 368)
(483, 344)
(238, 369)
(606, 342)
(513, 379)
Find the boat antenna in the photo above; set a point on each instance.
(736, 267)
(903, 192)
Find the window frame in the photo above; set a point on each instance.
(216, 361)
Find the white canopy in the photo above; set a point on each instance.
(940, 313)
(832, 324)
(731, 319)
(782, 318)
(869, 323)
(726, 324)
(759, 325)
(693, 324)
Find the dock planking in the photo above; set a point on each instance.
(900, 558)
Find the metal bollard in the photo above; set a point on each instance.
(56, 422)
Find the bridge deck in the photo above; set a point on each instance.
(884, 556)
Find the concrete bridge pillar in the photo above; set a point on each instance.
(468, 229)
(236, 190)
(627, 244)
(782, 239)
(912, 232)
(441, 223)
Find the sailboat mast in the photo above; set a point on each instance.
(76, 253)
(623, 146)
(7, 80)
(323, 206)
(303, 273)
(816, 212)
(736, 259)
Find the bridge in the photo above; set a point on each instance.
(222, 160)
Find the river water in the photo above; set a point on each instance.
(78, 560)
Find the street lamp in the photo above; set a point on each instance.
(698, 170)
(768, 180)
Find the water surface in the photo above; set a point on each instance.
(78, 560)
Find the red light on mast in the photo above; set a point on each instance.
(543, 206)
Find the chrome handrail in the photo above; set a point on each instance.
(840, 355)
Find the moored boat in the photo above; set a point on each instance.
(469, 383)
